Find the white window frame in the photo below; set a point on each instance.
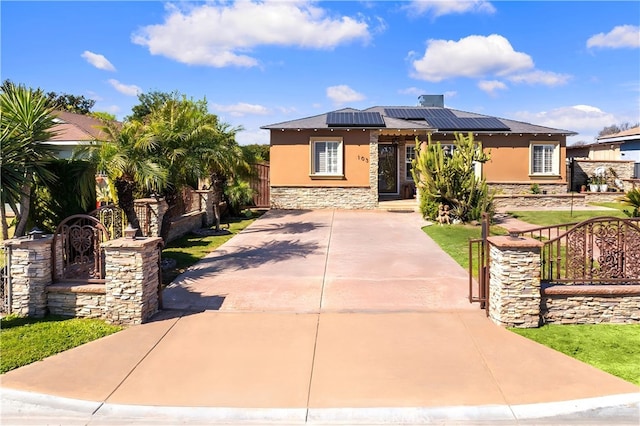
(338, 170)
(551, 166)
(407, 161)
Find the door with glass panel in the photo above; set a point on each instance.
(388, 169)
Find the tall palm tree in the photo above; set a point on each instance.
(125, 155)
(26, 120)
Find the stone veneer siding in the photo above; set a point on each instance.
(84, 301)
(29, 274)
(593, 304)
(525, 188)
(583, 169)
(514, 293)
(132, 279)
(329, 197)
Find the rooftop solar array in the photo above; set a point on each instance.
(444, 119)
(355, 119)
(419, 113)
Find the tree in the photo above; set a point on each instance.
(150, 101)
(126, 156)
(104, 116)
(26, 119)
(450, 179)
(72, 103)
(255, 153)
(616, 128)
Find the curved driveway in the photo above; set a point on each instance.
(323, 317)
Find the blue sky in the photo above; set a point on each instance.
(572, 65)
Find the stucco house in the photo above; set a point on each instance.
(621, 146)
(353, 158)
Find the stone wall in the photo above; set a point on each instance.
(581, 304)
(185, 224)
(524, 188)
(583, 169)
(514, 293)
(84, 301)
(539, 201)
(29, 272)
(132, 279)
(323, 197)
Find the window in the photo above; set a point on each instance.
(410, 154)
(326, 154)
(545, 159)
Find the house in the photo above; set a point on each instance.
(72, 131)
(353, 158)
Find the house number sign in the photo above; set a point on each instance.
(362, 158)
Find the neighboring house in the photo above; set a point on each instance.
(74, 130)
(351, 158)
(628, 142)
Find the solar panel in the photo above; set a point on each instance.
(419, 113)
(457, 123)
(355, 119)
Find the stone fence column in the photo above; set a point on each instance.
(514, 290)
(153, 220)
(29, 273)
(207, 199)
(132, 279)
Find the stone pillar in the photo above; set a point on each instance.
(29, 271)
(153, 221)
(132, 279)
(207, 199)
(514, 290)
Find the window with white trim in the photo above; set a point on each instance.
(326, 157)
(545, 159)
(410, 155)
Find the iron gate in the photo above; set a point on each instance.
(479, 267)
(76, 251)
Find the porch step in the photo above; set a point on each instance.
(408, 205)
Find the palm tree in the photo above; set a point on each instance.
(632, 199)
(26, 120)
(125, 155)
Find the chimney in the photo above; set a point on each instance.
(431, 101)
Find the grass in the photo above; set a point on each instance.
(26, 340)
(189, 249)
(614, 348)
(547, 218)
(454, 239)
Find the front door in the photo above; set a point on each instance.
(388, 169)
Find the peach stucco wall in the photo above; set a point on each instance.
(290, 158)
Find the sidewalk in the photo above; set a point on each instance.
(368, 324)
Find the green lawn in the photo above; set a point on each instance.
(547, 218)
(26, 340)
(614, 348)
(454, 239)
(187, 250)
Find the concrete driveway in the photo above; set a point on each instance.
(325, 261)
(323, 317)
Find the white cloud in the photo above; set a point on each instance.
(474, 56)
(411, 91)
(587, 120)
(125, 89)
(342, 94)
(98, 61)
(546, 78)
(241, 109)
(445, 7)
(490, 86)
(248, 137)
(620, 36)
(222, 34)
